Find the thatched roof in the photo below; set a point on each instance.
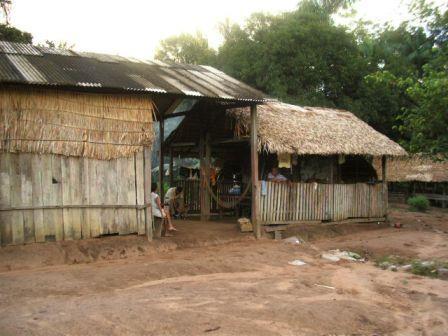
(415, 168)
(285, 128)
(91, 125)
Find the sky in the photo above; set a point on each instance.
(135, 27)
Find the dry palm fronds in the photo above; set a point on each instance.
(285, 128)
(74, 124)
(414, 168)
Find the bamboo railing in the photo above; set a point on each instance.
(297, 202)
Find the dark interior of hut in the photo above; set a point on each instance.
(229, 166)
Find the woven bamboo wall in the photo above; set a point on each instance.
(97, 126)
(62, 198)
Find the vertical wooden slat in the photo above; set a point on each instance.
(111, 197)
(25, 160)
(130, 194)
(57, 195)
(5, 199)
(95, 197)
(38, 215)
(17, 228)
(72, 185)
(85, 196)
(139, 191)
(147, 191)
(75, 164)
(66, 198)
(102, 195)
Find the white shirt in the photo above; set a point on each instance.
(170, 194)
(155, 209)
(276, 178)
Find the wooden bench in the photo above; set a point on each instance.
(277, 229)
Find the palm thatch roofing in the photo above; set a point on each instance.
(98, 126)
(418, 168)
(285, 128)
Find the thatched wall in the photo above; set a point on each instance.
(88, 125)
(285, 128)
(416, 168)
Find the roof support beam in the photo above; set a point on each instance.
(172, 107)
(384, 181)
(254, 168)
(205, 158)
(161, 156)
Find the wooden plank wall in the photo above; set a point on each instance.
(48, 180)
(294, 202)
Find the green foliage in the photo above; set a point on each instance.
(391, 260)
(300, 57)
(425, 123)
(418, 203)
(423, 268)
(186, 48)
(8, 33)
(393, 78)
(62, 45)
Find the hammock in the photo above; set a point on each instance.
(228, 205)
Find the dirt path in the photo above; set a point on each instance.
(241, 288)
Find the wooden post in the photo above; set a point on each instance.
(205, 157)
(161, 156)
(147, 191)
(254, 168)
(384, 181)
(171, 168)
(444, 202)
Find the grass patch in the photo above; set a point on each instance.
(385, 261)
(427, 268)
(418, 203)
(415, 266)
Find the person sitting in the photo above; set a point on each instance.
(174, 202)
(275, 176)
(159, 214)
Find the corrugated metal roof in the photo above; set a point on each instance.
(26, 69)
(18, 48)
(27, 64)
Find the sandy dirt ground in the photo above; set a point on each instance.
(232, 285)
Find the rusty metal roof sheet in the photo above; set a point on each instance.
(27, 64)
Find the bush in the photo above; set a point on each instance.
(418, 203)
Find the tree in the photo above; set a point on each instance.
(5, 7)
(300, 57)
(8, 33)
(425, 123)
(62, 45)
(186, 48)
